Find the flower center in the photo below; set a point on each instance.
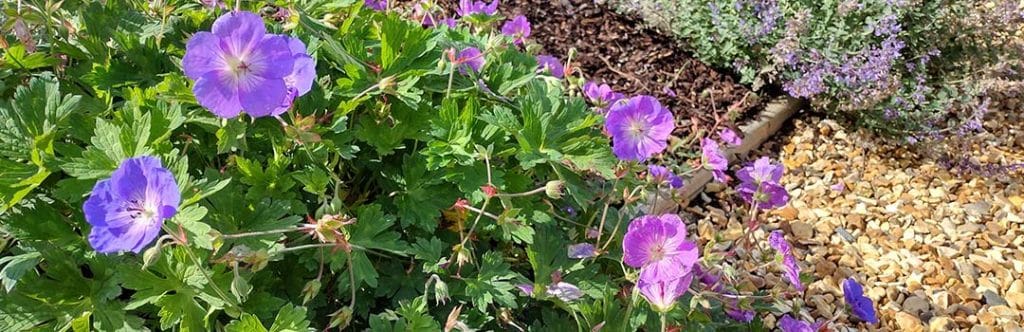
(657, 252)
(238, 66)
(141, 210)
(637, 129)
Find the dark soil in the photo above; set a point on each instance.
(633, 59)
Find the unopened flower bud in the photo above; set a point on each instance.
(340, 318)
(310, 291)
(554, 189)
(151, 255)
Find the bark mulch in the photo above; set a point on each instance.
(634, 59)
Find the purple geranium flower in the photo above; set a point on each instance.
(518, 28)
(662, 294)
(300, 81)
(527, 289)
(470, 7)
(713, 159)
(238, 66)
(657, 245)
(730, 137)
(127, 210)
(778, 241)
(639, 127)
(759, 184)
(564, 291)
(469, 58)
(547, 63)
(582, 250)
(600, 95)
(740, 315)
(790, 324)
(861, 305)
(378, 5)
(660, 174)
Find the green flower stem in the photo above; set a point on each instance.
(195, 260)
(527, 193)
(260, 233)
(664, 322)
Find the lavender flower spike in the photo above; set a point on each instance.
(518, 28)
(639, 127)
(127, 210)
(238, 66)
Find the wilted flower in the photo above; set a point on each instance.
(554, 189)
(662, 294)
(582, 250)
(470, 7)
(550, 64)
(378, 5)
(600, 95)
(777, 241)
(790, 324)
(639, 127)
(469, 58)
(660, 174)
(730, 137)
(128, 210)
(713, 159)
(564, 291)
(860, 305)
(657, 245)
(518, 28)
(214, 4)
(759, 184)
(238, 66)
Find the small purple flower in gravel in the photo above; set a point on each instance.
(657, 245)
(564, 291)
(730, 137)
(777, 241)
(600, 95)
(759, 184)
(300, 81)
(639, 127)
(238, 66)
(378, 5)
(527, 289)
(550, 64)
(518, 28)
(470, 7)
(790, 324)
(582, 250)
(469, 58)
(668, 91)
(127, 210)
(662, 294)
(713, 159)
(661, 175)
(861, 305)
